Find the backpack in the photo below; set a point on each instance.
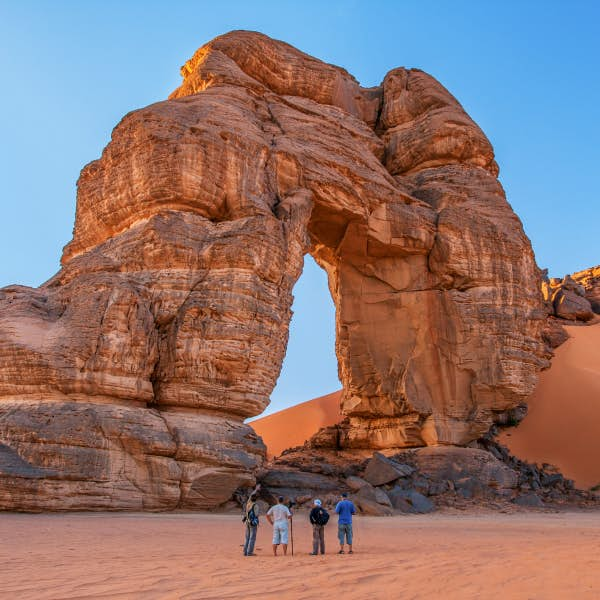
(250, 518)
(322, 517)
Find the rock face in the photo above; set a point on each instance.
(74, 454)
(125, 379)
(382, 470)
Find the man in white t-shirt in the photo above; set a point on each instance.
(279, 515)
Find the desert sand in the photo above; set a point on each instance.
(198, 556)
(561, 427)
(293, 426)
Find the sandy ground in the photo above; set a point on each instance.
(562, 426)
(293, 426)
(198, 556)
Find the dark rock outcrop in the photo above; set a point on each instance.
(382, 470)
(485, 474)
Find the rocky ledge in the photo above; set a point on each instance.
(421, 480)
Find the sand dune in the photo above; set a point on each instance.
(198, 557)
(562, 427)
(563, 423)
(293, 426)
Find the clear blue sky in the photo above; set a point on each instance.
(527, 71)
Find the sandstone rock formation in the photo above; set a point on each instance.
(125, 379)
(574, 299)
(589, 279)
(567, 298)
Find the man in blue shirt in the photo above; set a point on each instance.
(345, 509)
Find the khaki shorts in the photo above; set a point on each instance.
(280, 532)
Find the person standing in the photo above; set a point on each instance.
(279, 515)
(318, 518)
(345, 509)
(251, 520)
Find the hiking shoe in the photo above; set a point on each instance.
(350, 552)
(314, 553)
(341, 552)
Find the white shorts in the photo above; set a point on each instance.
(280, 532)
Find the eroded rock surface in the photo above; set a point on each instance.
(125, 379)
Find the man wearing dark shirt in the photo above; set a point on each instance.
(318, 518)
(345, 509)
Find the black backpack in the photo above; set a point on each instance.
(322, 517)
(250, 517)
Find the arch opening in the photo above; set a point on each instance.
(307, 394)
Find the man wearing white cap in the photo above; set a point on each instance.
(318, 517)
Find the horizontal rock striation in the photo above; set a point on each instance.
(125, 379)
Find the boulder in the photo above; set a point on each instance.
(551, 479)
(420, 503)
(530, 500)
(469, 487)
(355, 483)
(421, 485)
(574, 298)
(371, 507)
(590, 281)
(410, 501)
(381, 470)
(440, 487)
(401, 504)
(382, 498)
(368, 492)
(569, 305)
(452, 463)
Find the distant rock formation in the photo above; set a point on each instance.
(126, 378)
(571, 300)
(568, 299)
(589, 279)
